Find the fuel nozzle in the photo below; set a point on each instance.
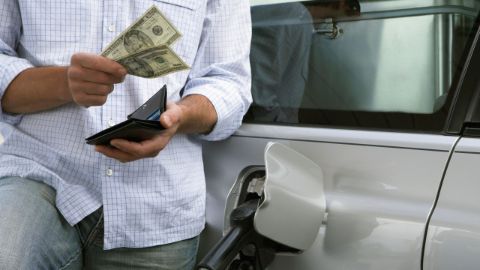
(241, 232)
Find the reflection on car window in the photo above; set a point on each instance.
(280, 60)
(357, 63)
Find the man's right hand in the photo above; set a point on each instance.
(87, 81)
(91, 78)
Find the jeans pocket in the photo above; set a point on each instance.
(90, 228)
(98, 237)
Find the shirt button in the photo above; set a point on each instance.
(111, 28)
(109, 172)
(111, 123)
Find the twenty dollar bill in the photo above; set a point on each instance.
(153, 62)
(150, 30)
(143, 48)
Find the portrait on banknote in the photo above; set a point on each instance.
(137, 66)
(135, 41)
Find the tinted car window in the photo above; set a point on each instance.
(369, 64)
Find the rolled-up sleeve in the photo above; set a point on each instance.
(221, 70)
(10, 64)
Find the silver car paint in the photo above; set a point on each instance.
(453, 240)
(293, 197)
(380, 188)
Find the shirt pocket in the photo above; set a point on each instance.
(190, 4)
(187, 16)
(54, 20)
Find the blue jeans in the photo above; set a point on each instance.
(34, 235)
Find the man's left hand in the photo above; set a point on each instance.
(127, 151)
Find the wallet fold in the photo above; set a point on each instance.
(142, 124)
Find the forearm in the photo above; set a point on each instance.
(199, 115)
(37, 89)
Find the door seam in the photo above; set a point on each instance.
(437, 198)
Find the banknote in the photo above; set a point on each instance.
(150, 30)
(153, 62)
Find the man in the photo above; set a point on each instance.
(67, 205)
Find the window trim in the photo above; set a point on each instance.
(451, 117)
(465, 110)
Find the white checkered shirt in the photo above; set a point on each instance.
(148, 202)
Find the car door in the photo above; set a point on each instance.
(453, 238)
(365, 90)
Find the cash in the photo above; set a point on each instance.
(153, 62)
(143, 48)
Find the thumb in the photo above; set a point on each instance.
(171, 116)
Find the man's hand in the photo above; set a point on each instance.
(91, 78)
(87, 81)
(192, 114)
(126, 151)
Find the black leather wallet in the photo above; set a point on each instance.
(141, 125)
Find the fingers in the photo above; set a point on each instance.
(127, 151)
(89, 88)
(98, 63)
(80, 73)
(89, 100)
(144, 149)
(88, 93)
(114, 153)
(91, 78)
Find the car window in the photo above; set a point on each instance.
(348, 63)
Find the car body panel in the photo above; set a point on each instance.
(378, 195)
(453, 240)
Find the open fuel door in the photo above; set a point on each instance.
(281, 211)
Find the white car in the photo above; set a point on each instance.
(366, 122)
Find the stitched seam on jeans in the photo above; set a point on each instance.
(93, 233)
(71, 260)
(79, 232)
